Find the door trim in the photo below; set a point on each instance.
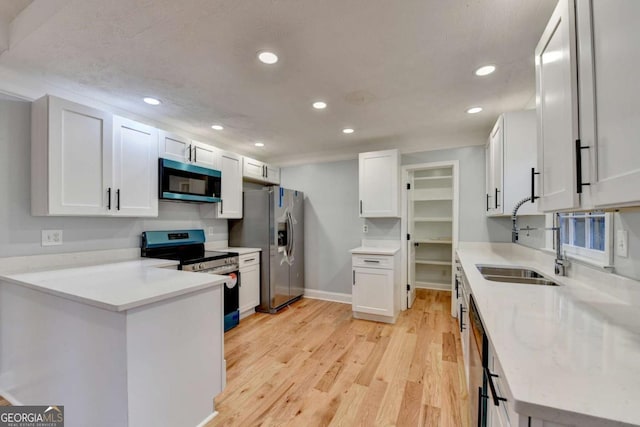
(404, 273)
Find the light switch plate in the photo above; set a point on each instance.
(622, 243)
(210, 231)
(51, 237)
(365, 228)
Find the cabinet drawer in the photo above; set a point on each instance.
(372, 261)
(247, 260)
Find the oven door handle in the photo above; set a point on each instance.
(223, 271)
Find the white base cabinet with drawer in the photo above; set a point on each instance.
(249, 283)
(375, 287)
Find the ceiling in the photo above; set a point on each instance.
(399, 72)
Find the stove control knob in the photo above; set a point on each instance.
(201, 266)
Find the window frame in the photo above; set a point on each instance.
(591, 256)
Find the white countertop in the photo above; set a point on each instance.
(570, 353)
(241, 251)
(117, 286)
(371, 250)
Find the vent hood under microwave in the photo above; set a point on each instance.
(187, 182)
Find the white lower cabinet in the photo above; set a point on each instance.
(375, 287)
(249, 283)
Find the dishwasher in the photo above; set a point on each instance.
(478, 360)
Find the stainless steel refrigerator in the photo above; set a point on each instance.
(273, 221)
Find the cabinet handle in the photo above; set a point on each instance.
(360, 207)
(488, 202)
(457, 293)
(533, 186)
(354, 277)
(372, 261)
(496, 399)
(118, 199)
(496, 199)
(579, 182)
(109, 198)
(189, 152)
(249, 260)
(462, 310)
(221, 206)
(480, 396)
(195, 154)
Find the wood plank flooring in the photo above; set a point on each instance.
(314, 365)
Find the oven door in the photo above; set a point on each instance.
(231, 294)
(187, 182)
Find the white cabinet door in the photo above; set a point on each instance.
(273, 174)
(610, 98)
(496, 170)
(203, 155)
(556, 98)
(253, 169)
(135, 168)
(174, 147)
(250, 287)
(79, 141)
(488, 179)
(230, 165)
(373, 291)
(378, 184)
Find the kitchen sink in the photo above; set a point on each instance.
(514, 275)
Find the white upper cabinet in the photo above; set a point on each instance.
(71, 158)
(378, 184)
(174, 147)
(204, 155)
(511, 156)
(230, 206)
(85, 162)
(135, 168)
(556, 105)
(255, 170)
(588, 151)
(181, 149)
(610, 99)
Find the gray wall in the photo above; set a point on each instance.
(332, 224)
(630, 266)
(20, 233)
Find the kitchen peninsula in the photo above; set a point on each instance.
(110, 342)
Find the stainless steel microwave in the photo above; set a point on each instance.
(187, 182)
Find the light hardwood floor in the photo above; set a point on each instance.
(314, 365)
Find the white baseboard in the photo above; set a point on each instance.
(208, 419)
(9, 398)
(327, 296)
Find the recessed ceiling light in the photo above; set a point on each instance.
(486, 70)
(319, 105)
(347, 130)
(152, 101)
(259, 144)
(267, 57)
(217, 127)
(474, 110)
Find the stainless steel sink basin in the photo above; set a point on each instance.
(514, 275)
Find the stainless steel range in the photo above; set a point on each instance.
(187, 247)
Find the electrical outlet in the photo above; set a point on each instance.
(210, 231)
(51, 237)
(622, 243)
(365, 228)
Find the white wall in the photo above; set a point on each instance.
(20, 233)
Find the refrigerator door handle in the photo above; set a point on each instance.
(290, 235)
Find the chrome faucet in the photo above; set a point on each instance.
(561, 263)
